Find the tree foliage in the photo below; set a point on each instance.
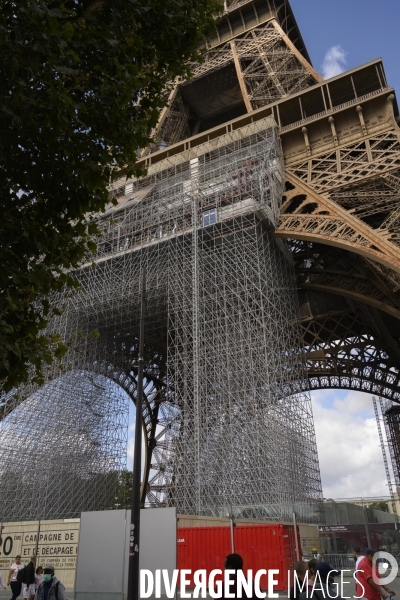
(379, 506)
(82, 84)
(123, 498)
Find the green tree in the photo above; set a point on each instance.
(82, 85)
(379, 506)
(123, 498)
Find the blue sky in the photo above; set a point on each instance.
(341, 35)
(364, 29)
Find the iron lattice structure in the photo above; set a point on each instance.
(340, 211)
(225, 254)
(390, 479)
(391, 417)
(227, 415)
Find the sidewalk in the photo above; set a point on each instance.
(348, 590)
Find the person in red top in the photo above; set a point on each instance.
(368, 578)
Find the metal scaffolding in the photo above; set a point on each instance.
(391, 418)
(227, 416)
(62, 448)
(389, 477)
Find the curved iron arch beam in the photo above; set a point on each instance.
(150, 413)
(353, 296)
(350, 348)
(328, 223)
(325, 381)
(353, 366)
(127, 382)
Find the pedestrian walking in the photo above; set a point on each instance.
(38, 577)
(316, 554)
(234, 562)
(29, 579)
(320, 586)
(50, 588)
(301, 569)
(2, 583)
(358, 556)
(368, 579)
(15, 585)
(311, 566)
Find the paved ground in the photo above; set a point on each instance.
(348, 589)
(6, 595)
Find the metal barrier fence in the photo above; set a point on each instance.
(340, 561)
(345, 561)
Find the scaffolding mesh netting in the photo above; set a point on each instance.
(62, 448)
(227, 414)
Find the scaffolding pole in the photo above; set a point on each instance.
(227, 414)
(384, 455)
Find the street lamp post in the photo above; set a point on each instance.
(134, 533)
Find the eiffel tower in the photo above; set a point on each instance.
(268, 224)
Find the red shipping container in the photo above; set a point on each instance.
(261, 546)
(268, 547)
(203, 548)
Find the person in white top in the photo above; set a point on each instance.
(15, 585)
(358, 556)
(38, 577)
(2, 583)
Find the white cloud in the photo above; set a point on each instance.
(348, 445)
(131, 446)
(130, 451)
(354, 403)
(334, 62)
